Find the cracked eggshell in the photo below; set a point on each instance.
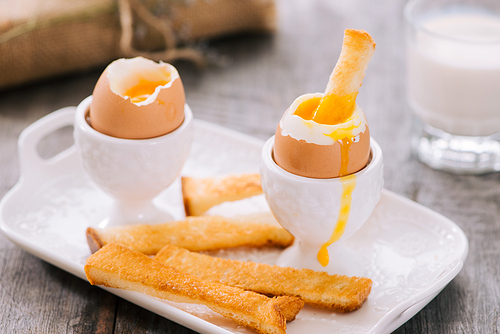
(304, 150)
(114, 114)
(319, 161)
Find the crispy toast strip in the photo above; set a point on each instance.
(347, 76)
(335, 292)
(195, 233)
(200, 194)
(119, 267)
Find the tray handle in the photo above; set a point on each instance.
(31, 163)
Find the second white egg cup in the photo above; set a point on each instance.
(309, 209)
(132, 171)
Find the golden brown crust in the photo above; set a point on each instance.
(195, 233)
(118, 267)
(187, 189)
(289, 307)
(347, 76)
(93, 240)
(339, 293)
(200, 194)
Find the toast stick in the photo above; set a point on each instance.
(119, 267)
(200, 194)
(335, 292)
(201, 233)
(347, 77)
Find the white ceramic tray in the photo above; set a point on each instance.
(411, 253)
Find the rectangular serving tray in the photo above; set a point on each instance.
(411, 252)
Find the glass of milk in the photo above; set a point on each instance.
(453, 83)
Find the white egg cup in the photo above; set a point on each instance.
(309, 208)
(132, 171)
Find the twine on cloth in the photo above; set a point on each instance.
(163, 26)
(45, 38)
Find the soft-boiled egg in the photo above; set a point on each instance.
(326, 135)
(305, 147)
(137, 99)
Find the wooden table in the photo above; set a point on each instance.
(256, 80)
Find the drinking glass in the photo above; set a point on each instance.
(453, 83)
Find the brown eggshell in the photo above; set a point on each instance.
(319, 161)
(115, 116)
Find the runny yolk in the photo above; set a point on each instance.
(344, 155)
(317, 107)
(143, 90)
(307, 108)
(348, 185)
(332, 109)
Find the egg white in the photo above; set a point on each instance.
(320, 134)
(124, 74)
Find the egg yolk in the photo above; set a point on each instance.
(143, 90)
(332, 109)
(348, 185)
(307, 108)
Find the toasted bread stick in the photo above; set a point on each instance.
(335, 292)
(339, 101)
(200, 194)
(119, 267)
(195, 233)
(347, 76)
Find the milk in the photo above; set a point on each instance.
(454, 72)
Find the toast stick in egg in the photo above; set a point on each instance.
(346, 78)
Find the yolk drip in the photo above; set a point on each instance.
(144, 90)
(344, 155)
(348, 185)
(332, 109)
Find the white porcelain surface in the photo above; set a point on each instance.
(133, 172)
(410, 252)
(309, 208)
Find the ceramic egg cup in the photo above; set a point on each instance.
(132, 171)
(309, 208)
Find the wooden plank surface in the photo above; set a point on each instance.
(260, 77)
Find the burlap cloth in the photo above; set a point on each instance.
(44, 38)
